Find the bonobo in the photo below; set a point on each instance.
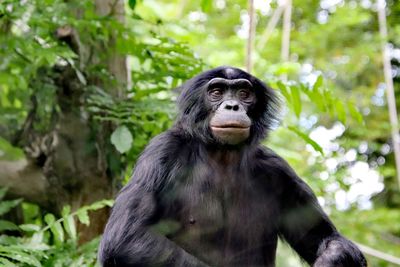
(206, 193)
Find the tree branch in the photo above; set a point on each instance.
(24, 180)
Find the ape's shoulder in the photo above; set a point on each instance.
(268, 157)
(165, 147)
(274, 165)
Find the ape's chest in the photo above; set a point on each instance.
(214, 205)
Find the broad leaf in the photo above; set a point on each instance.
(122, 139)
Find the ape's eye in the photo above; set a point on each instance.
(244, 94)
(216, 93)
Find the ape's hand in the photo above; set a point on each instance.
(340, 253)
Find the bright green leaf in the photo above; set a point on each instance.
(69, 226)
(354, 112)
(101, 204)
(6, 263)
(122, 139)
(306, 138)
(19, 256)
(83, 216)
(340, 111)
(29, 227)
(284, 91)
(318, 83)
(296, 100)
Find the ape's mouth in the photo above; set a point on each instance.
(231, 125)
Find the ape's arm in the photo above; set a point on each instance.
(127, 239)
(308, 229)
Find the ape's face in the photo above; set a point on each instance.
(230, 100)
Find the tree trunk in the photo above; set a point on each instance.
(68, 164)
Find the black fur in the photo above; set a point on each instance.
(194, 202)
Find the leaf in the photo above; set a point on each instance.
(49, 219)
(6, 206)
(6, 263)
(69, 226)
(296, 100)
(318, 83)
(206, 5)
(122, 139)
(69, 222)
(19, 256)
(58, 232)
(284, 91)
(55, 227)
(7, 225)
(340, 111)
(37, 238)
(66, 211)
(306, 138)
(132, 4)
(101, 204)
(83, 216)
(3, 192)
(329, 103)
(354, 112)
(29, 227)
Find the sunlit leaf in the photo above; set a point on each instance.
(19, 255)
(6, 263)
(29, 227)
(307, 138)
(55, 227)
(83, 216)
(69, 226)
(354, 112)
(340, 111)
(122, 139)
(318, 83)
(296, 100)
(284, 91)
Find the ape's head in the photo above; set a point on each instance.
(227, 106)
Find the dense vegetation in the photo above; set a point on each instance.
(74, 116)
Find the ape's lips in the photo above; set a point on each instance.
(232, 125)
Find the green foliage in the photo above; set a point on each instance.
(54, 244)
(321, 97)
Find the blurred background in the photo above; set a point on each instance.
(84, 86)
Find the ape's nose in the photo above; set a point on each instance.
(231, 105)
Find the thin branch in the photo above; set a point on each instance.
(379, 254)
(287, 17)
(250, 39)
(25, 180)
(271, 26)
(391, 99)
